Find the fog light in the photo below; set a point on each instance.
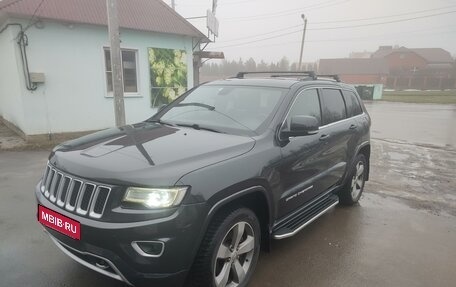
(149, 248)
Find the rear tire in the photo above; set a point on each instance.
(353, 188)
(229, 251)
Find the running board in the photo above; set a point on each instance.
(305, 217)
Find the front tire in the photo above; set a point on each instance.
(229, 251)
(353, 188)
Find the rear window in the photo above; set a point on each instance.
(352, 103)
(333, 106)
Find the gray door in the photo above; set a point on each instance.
(302, 158)
(336, 134)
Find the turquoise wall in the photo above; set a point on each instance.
(11, 106)
(74, 96)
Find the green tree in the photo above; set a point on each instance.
(250, 65)
(284, 64)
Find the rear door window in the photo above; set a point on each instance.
(333, 106)
(352, 103)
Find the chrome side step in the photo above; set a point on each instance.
(304, 218)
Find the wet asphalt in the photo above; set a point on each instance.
(431, 124)
(403, 232)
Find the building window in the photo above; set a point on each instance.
(129, 70)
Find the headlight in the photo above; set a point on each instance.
(155, 197)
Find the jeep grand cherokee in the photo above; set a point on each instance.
(191, 194)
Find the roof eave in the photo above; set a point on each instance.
(4, 16)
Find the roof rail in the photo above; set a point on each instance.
(277, 74)
(335, 77)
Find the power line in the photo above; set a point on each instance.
(221, 3)
(369, 37)
(339, 21)
(9, 4)
(383, 17)
(341, 27)
(33, 15)
(257, 35)
(260, 40)
(387, 22)
(315, 6)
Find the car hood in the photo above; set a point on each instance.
(146, 154)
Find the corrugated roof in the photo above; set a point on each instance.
(434, 55)
(384, 51)
(350, 66)
(145, 15)
(431, 55)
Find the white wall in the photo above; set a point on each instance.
(10, 85)
(74, 97)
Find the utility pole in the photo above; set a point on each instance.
(302, 43)
(196, 69)
(116, 65)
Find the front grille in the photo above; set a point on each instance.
(74, 194)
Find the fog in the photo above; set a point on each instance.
(269, 30)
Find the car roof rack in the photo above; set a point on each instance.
(334, 77)
(278, 74)
(292, 74)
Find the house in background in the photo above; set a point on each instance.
(396, 68)
(64, 44)
(366, 74)
(355, 70)
(423, 68)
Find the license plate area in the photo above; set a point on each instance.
(59, 222)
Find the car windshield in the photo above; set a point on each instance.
(227, 109)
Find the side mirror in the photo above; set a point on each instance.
(301, 126)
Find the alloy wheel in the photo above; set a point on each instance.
(357, 180)
(234, 255)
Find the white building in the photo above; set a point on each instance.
(68, 87)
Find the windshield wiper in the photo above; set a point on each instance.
(198, 127)
(209, 107)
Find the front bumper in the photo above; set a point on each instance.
(106, 247)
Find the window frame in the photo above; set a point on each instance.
(291, 104)
(300, 93)
(319, 89)
(356, 100)
(321, 105)
(110, 94)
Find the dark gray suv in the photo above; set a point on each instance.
(190, 195)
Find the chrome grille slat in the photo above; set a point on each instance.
(43, 182)
(63, 191)
(55, 186)
(86, 194)
(75, 189)
(48, 182)
(99, 201)
(74, 195)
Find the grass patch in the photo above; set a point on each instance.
(434, 97)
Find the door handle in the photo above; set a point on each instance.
(324, 137)
(353, 126)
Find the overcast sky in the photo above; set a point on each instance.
(271, 29)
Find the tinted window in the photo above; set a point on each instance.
(352, 103)
(333, 106)
(306, 104)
